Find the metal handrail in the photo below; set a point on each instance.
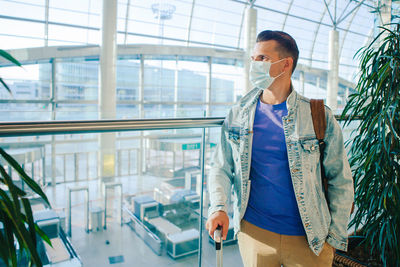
(8, 129)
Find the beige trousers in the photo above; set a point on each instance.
(262, 248)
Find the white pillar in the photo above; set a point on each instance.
(141, 152)
(108, 55)
(176, 79)
(46, 24)
(301, 81)
(208, 88)
(107, 86)
(333, 74)
(250, 40)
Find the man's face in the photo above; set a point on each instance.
(266, 51)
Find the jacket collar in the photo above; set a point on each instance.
(252, 97)
(291, 101)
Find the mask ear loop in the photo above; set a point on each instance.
(281, 72)
(278, 75)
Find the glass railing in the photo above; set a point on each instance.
(128, 191)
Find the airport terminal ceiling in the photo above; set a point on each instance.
(207, 23)
(219, 25)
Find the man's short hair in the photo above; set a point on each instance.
(287, 45)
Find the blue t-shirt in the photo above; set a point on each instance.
(272, 204)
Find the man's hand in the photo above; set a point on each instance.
(218, 218)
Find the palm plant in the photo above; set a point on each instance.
(15, 209)
(375, 151)
(10, 58)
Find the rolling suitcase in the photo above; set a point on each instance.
(218, 245)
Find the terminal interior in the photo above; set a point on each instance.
(137, 195)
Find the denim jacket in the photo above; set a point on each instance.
(231, 168)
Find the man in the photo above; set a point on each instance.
(269, 154)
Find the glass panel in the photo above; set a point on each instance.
(268, 20)
(76, 12)
(159, 79)
(31, 82)
(62, 35)
(155, 111)
(127, 111)
(24, 111)
(191, 111)
(77, 79)
(227, 83)
(159, 173)
(76, 111)
(17, 28)
(219, 111)
(192, 80)
(14, 42)
(34, 10)
(213, 23)
(230, 248)
(128, 79)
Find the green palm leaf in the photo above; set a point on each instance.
(375, 148)
(17, 226)
(31, 183)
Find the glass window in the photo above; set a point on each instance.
(16, 28)
(31, 82)
(192, 80)
(159, 79)
(128, 78)
(77, 79)
(127, 111)
(227, 82)
(24, 111)
(62, 35)
(27, 9)
(76, 111)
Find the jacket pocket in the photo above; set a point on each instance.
(310, 146)
(310, 156)
(234, 135)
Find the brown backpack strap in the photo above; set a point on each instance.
(318, 117)
(319, 123)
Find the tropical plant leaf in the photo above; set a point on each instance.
(30, 182)
(12, 259)
(29, 218)
(10, 208)
(374, 150)
(3, 247)
(14, 220)
(9, 57)
(5, 86)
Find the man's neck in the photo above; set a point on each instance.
(277, 93)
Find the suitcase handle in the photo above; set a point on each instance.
(218, 237)
(218, 245)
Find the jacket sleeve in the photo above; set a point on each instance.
(340, 183)
(221, 174)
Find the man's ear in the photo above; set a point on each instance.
(288, 64)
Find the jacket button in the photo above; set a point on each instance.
(314, 242)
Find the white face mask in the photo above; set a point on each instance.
(259, 73)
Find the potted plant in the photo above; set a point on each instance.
(375, 150)
(17, 228)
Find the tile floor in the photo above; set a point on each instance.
(95, 248)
